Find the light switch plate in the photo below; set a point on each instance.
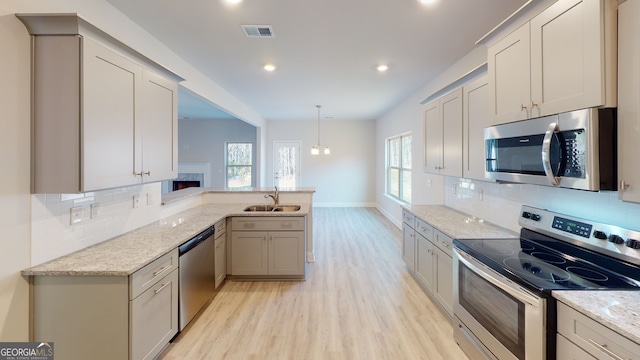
(150, 199)
(76, 215)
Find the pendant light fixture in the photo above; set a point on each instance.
(315, 150)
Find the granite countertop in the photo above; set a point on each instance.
(458, 225)
(179, 195)
(124, 254)
(613, 309)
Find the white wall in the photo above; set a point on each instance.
(204, 141)
(15, 197)
(346, 177)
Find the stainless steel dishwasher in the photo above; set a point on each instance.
(197, 275)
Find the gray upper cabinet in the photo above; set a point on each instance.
(443, 134)
(103, 116)
(563, 59)
(475, 119)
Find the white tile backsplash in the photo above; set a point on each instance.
(501, 203)
(53, 235)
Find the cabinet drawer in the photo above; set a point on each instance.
(146, 277)
(268, 223)
(220, 228)
(444, 242)
(408, 218)
(424, 229)
(596, 339)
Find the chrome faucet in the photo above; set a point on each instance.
(274, 196)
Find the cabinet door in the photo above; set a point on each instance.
(154, 318)
(443, 282)
(567, 65)
(249, 255)
(111, 87)
(432, 137)
(424, 262)
(451, 110)
(509, 77)
(475, 119)
(220, 260)
(628, 104)
(286, 253)
(160, 128)
(408, 246)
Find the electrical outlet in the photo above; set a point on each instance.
(95, 210)
(136, 201)
(429, 183)
(76, 215)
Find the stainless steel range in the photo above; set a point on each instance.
(502, 287)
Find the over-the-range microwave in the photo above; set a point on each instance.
(575, 150)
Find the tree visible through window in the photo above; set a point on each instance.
(239, 165)
(399, 167)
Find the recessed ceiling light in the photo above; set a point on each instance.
(269, 67)
(382, 68)
(427, 2)
(233, 1)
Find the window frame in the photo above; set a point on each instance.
(400, 168)
(227, 166)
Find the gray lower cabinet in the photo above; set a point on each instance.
(427, 253)
(580, 337)
(108, 317)
(220, 252)
(268, 247)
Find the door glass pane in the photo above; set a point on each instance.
(286, 164)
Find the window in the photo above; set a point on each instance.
(399, 167)
(239, 165)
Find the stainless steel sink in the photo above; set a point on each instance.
(259, 208)
(287, 208)
(281, 208)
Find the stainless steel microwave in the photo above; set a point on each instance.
(574, 150)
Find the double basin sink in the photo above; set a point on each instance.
(279, 208)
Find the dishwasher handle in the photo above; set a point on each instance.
(195, 241)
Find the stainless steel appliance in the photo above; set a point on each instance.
(573, 150)
(197, 275)
(502, 287)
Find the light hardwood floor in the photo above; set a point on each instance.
(358, 302)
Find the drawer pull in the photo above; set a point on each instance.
(286, 225)
(604, 348)
(161, 270)
(161, 287)
(422, 228)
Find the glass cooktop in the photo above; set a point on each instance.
(544, 264)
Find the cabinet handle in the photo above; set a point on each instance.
(604, 348)
(533, 105)
(286, 225)
(421, 228)
(523, 107)
(148, 173)
(161, 270)
(161, 287)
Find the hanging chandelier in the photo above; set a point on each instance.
(315, 149)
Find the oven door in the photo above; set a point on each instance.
(497, 319)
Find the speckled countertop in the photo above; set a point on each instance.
(123, 255)
(613, 309)
(458, 225)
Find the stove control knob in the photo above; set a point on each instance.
(526, 215)
(616, 239)
(535, 217)
(634, 244)
(599, 235)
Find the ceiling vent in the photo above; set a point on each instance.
(258, 31)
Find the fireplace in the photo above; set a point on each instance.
(183, 184)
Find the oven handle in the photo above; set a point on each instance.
(546, 157)
(518, 294)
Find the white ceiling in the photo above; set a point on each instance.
(325, 51)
